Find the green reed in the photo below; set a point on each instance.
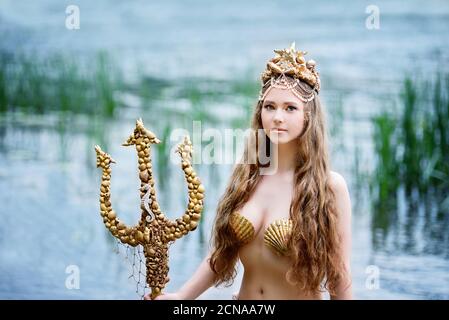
(107, 80)
(58, 83)
(412, 168)
(385, 146)
(412, 146)
(3, 86)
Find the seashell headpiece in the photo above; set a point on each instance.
(290, 64)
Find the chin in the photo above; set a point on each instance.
(280, 140)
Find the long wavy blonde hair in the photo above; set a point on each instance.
(315, 261)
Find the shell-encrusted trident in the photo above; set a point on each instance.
(153, 231)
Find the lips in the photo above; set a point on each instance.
(279, 130)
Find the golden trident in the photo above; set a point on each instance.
(154, 231)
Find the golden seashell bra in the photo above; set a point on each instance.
(275, 236)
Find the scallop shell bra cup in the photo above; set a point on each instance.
(275, 236)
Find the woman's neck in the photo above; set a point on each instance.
(285, 157)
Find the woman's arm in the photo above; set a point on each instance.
(201, 280)
(343, 204)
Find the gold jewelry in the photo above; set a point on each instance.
(289, 70)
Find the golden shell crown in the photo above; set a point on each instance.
(291, 62)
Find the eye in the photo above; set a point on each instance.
(269, 107)
(291, 108)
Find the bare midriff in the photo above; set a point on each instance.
(264, 276)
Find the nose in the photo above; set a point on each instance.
(278, 116)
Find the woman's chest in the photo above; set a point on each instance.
(268, 203)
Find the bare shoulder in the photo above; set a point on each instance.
(338, 183)
(342, 199)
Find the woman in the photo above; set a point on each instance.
(289, 223)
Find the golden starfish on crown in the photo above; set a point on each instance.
(291, 62)
(291, 55)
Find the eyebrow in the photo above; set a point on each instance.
(287, 102)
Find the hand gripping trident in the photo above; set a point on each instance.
(154, 231)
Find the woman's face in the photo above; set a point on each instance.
(282, 115)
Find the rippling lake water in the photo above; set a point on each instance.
(49, 186)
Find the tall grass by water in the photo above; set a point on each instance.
(412, 160)
(58, 83)
(96, 86)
